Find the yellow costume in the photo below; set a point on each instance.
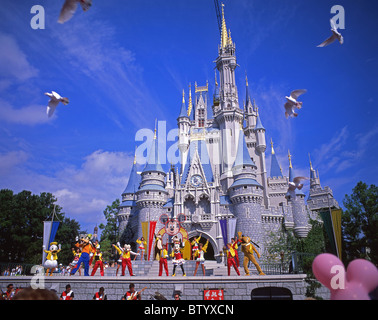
(52, 258)
(248, 248)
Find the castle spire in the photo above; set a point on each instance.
(183, 112)
(275, 168)
(190, 101)
(224, 38)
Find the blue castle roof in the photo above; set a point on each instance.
(242, 156)
(153, 163)
(134, 181)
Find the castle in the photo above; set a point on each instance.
(222, 174)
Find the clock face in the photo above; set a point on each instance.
(196, 180)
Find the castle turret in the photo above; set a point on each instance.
(246, 194)
(128, 205)
(151, 195)
(298, 207)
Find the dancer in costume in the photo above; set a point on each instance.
(126, 257)
(200, 255)
(94, 250)
(98, 263)
(234, 245)
(141, 248)
(158, 246)
(51, 262)
(178, 260)
(248, 248)
(86, 247)
(163, 260)
(77, 253)
(230, 259)
(195, 245)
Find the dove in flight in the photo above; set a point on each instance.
(291, 103)
(335, 35)
(55, 98)
(69, 8)
(295, 184)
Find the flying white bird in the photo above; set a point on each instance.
(335, 35)
(292, 103)
(69, 8)
(54, 101)
(295, 184)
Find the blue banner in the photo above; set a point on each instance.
(54, 229)
(223, 226)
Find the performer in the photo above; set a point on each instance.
(93, 252)
(200, 255)
(67, 294)
(86, 247)
(98, 263)
(126, 258)
(100, 295)
(234, 245)
(51, 262)
(230, 259)
(178, 260)
(195, 244)
(132, 294)
(141, 248)
(248, 248)
(163, 260)
(158, 246)
(77, 253)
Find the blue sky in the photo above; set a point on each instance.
(124, 64)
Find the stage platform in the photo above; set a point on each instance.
(146, 275)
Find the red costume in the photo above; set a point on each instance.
(98, 263)
(231, 261)
(163, 261)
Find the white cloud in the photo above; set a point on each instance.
(12, 159)
(13, 61)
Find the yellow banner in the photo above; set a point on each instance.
(336, 222)
(145, 230)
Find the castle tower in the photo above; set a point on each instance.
(128, 205)
(246, 194)
(183, 123)
(151, 195)
(298, 206)
(228, 115)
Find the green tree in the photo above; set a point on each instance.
(21, 224)
(110, 230)
(360, 224)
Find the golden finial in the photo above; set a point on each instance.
(135, 155)
(229, 37)
(190, 100)
(183, 96)
(216, 81)
(271, 144)
(155, 130)
(246, 79)
(257, 108)
(289, 155)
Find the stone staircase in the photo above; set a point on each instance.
(151, 269)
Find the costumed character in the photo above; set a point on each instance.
(163, 260)
(195, 245)
(178, 260)
(93, 252)
(158, 246)
(141, 248)
(126, 257)
(77, 253)
(248, 248)
(86, 247)
(234, 245)
(200, 255)
(231, 259)
(98, 263)
(51, 262)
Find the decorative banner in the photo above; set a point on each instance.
(151, 237)
(231, 228)
(145, 230)
(328, 225)
(336, 221)
(223, 226)
(49, 231)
